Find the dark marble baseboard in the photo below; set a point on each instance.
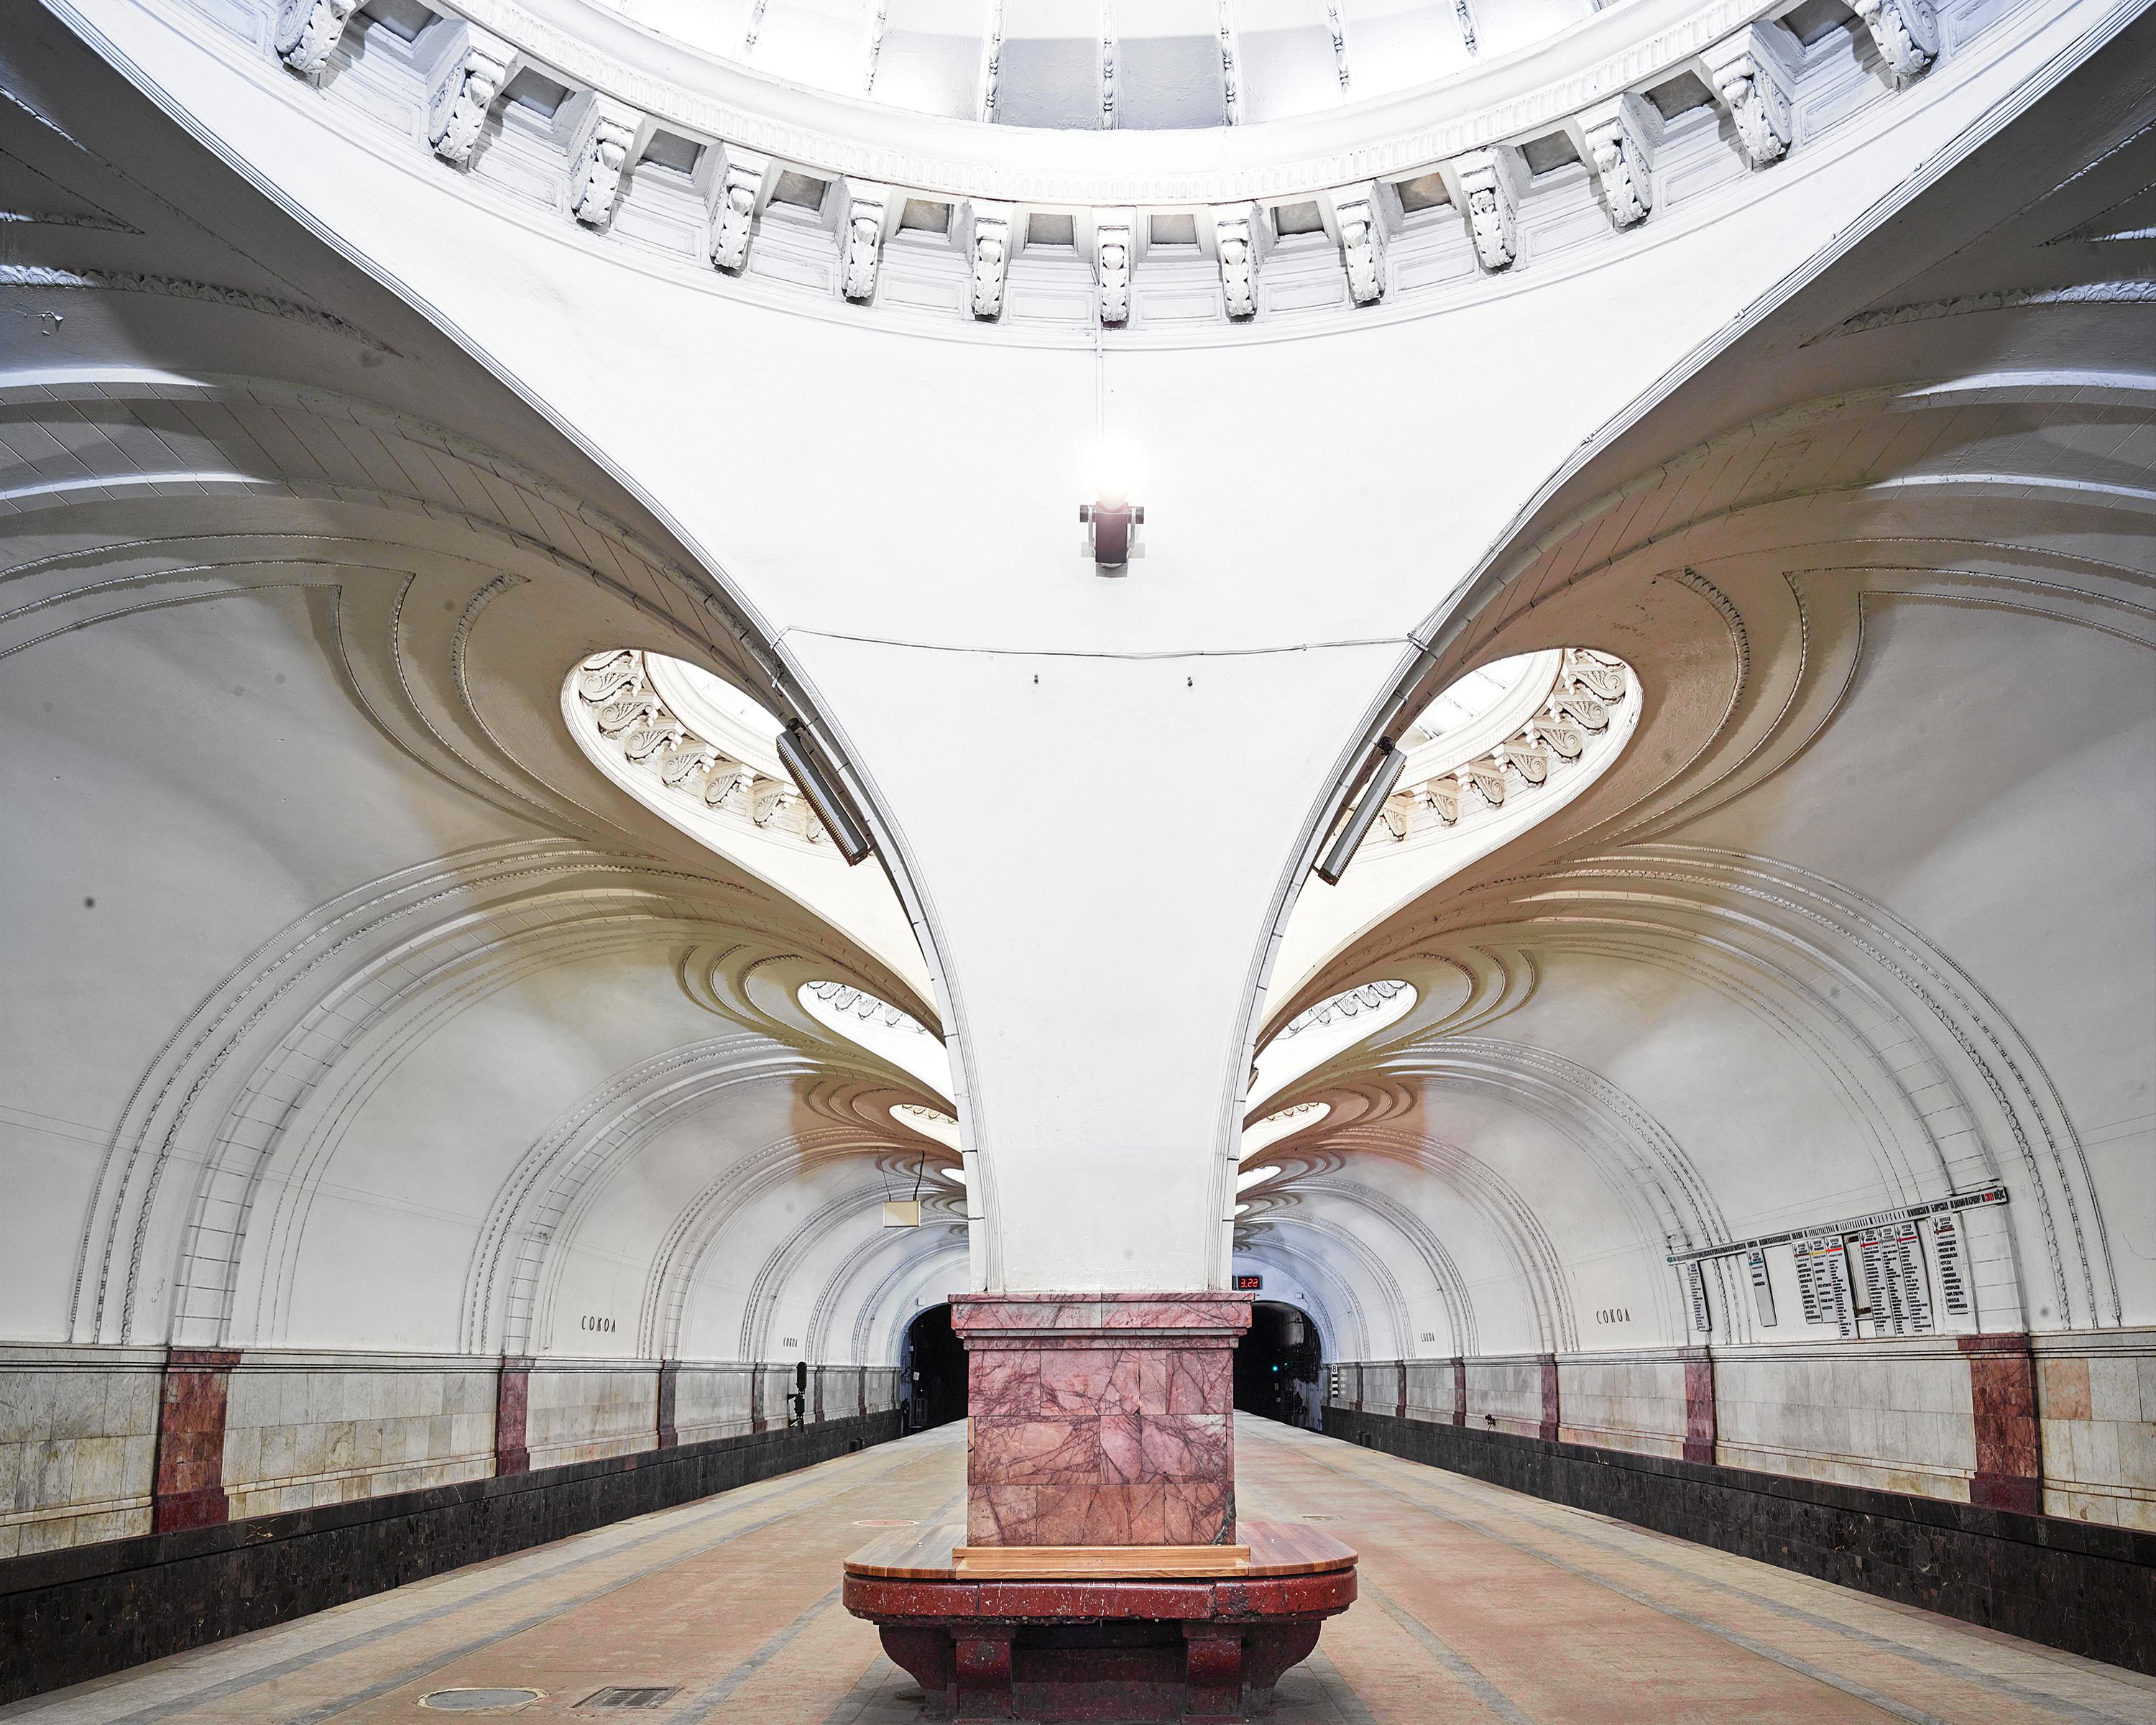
(84, 1612)
(2089, 1589)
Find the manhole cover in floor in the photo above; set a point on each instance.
(886, 1524)
(479, 1701)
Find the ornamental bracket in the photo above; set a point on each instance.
(867, 212)
(605, 137)
(1754, 74)
(740, 185)
(1487, 185)
(308, 31)
(1907, 31)
(470, 69)
(1618, 138)
(1233, 232)
(991, 234)
(1360, 218)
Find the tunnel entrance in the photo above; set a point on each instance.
(931, 1370)
(1276, 1365)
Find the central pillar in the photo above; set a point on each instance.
(1101, 1419)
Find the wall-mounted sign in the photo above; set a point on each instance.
(1823, 1283)
(1953, 1275)
(1895, 1287)
(1762, 1290)
(1702, 1320)
(1249, 1284)
(1991, 1194)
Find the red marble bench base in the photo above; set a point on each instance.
(1099, 1649)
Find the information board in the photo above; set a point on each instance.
(1823, 1281)
(1953, 1275)
(1702, 1320)
(1763, 1289)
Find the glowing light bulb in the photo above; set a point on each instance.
(1111, 473)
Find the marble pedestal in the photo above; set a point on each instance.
(1098, 1648)
(1101, 1419)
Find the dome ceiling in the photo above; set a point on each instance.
(1166, 65)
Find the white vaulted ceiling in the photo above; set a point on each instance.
(373, 984)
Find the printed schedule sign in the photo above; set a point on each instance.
(1895, 1287)
(1823, 1283)
(1696, 1293)
(1954, 1276)
(1763, 1289)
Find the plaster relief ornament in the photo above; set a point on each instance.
(1752, 76)
(470, 74)
(1238, 271)
(1444, 795)
(867, 210)
(990, 260)
(1907, 31)
(1112, 261)
(1620, 138)
(1493, 218)
(1362, 251)
(308, 31)
(600, 148)
(733, 211)
(1488, 777)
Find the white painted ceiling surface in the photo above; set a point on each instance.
(1800, 953)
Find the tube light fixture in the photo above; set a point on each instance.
(831, 809)
(1392, 761)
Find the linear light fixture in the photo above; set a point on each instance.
(1391, 760)
(794, 744)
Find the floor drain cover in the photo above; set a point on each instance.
(622, 1699)
(478, 1701)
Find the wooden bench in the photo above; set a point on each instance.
(1177, 1633)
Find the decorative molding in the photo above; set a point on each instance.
(37, 275)
(1234, 242)
(738, 191)
(1907, 32)
(870, 213)
(1754, 74)
(988, 255)
(308, 31)
(2091, 293)
(1114, 247)
(1620, 136)
(1360, 224)
(1489, 181)
(604, 137)
(470, 69)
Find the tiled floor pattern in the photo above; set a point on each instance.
(1477, 1604)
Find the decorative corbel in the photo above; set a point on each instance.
(1360, 218)
(866, 212)
(308, 31)
(604, 137)
(1754, 75)
(739, 184)
(471, 70)
(1233, 229)
(1114, 249)
(1489, 187)
(1907, 31)
(991, 234)
(1619, 136)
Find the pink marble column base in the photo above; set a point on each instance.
(1101, 1419)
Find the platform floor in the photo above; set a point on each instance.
(1477, 1604)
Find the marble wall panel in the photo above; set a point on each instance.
(78, 1444)
(580, 1410)
(711, 1401)
(1504, 1393)
(2096, 1403)
(1632, 1401)
(308, 1429)
(1890, 1414)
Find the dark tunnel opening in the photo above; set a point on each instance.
(1276, 1365)
(931, 1367)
